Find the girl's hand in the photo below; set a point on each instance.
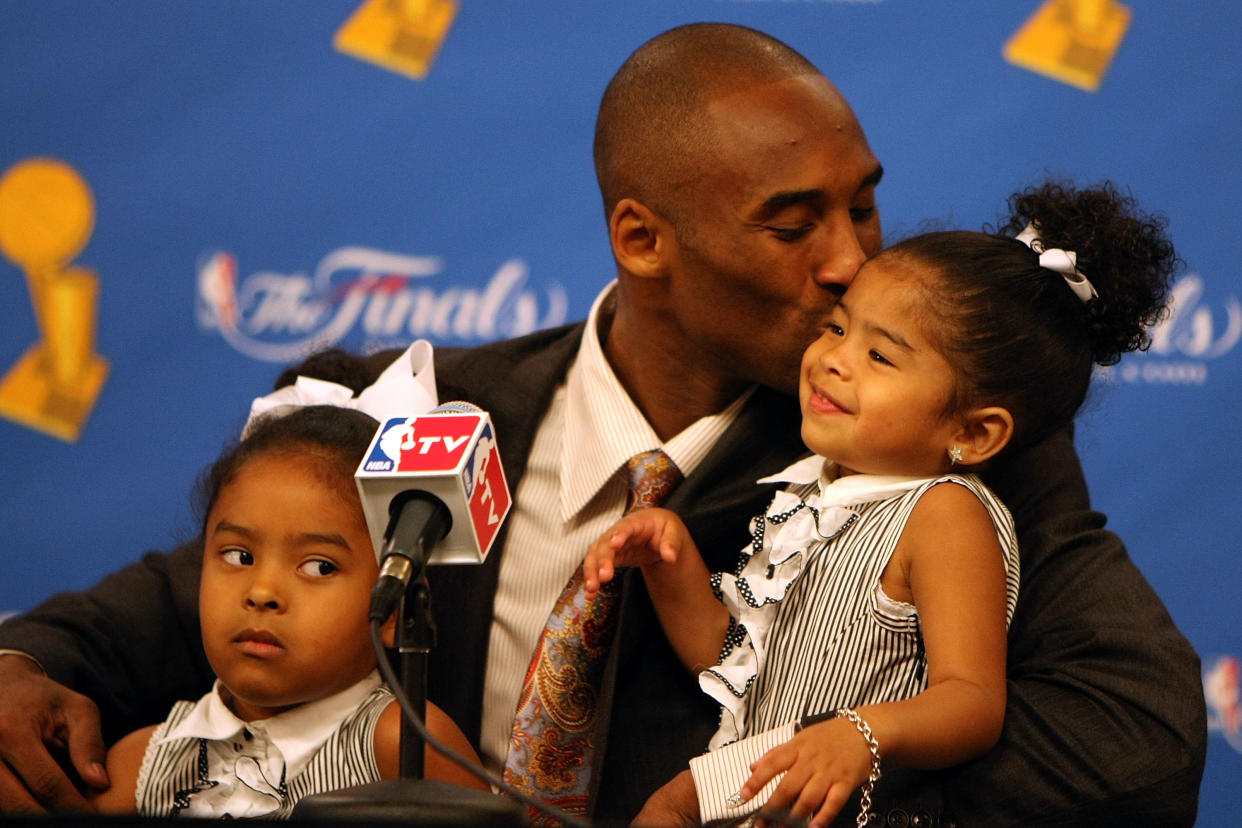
(823, 764)
(642, 537)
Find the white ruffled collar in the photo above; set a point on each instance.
(249, 761)
(784, 539)
(842, 491)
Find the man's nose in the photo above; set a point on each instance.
(842, 255)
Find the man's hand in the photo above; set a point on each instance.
(674, 805)
(35, 713)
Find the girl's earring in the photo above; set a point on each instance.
(955, 454)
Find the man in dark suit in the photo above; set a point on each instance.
(740, 196)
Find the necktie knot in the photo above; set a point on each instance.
(652, 477)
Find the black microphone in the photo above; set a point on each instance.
(418, 521)
(433, 491)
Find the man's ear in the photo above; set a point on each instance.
(640, 238)
(985, 431)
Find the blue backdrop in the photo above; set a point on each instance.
(257, 190)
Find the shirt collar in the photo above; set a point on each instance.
(843, 491)
(600, 413)
(296, 733)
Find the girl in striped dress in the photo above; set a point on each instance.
(869, 611)
(298, 706)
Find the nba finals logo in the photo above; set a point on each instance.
(1224, 702)
(400, 35)
(46, 217)
(388, 297)
(1072, 41)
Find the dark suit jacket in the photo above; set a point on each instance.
(658, 716)
(1105, 723)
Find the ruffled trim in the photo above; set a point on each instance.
(784, 540)
(774, 561)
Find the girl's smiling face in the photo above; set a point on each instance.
(875, 392)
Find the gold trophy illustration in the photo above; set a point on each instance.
(47, 214)
(399, 35)
(1072, 41)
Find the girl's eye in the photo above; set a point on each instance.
(879, 357)
(789, 234)
(237, 557)
(835, 329)
(317, 568)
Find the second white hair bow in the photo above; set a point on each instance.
(407, 387)
(1060, 261)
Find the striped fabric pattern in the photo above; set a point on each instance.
(174, 772)
(837, 639)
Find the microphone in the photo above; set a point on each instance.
(433, 491)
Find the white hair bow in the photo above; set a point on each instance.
(405, 388)
(1061, 261)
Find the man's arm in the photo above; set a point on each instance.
(1105, 722)
(130, 644)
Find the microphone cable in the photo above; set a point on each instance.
(407, 709)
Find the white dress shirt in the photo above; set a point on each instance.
(573, 490)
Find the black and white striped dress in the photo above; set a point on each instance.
(192, 775)
(813, 631)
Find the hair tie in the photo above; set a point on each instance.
(405, 388)
(1060, 261)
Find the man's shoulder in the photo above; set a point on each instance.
(529, 366)
(535, 358)
(1041, 482)
(538, 344)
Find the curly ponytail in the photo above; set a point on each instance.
(1016, 334)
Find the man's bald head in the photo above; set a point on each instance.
(653, 134)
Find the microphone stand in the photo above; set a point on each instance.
(412, 800)
(416, 636)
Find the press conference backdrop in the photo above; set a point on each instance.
(195, 194)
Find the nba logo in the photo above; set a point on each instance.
(1221, 680)
(449, 454)
(428, 443)
(484, 478)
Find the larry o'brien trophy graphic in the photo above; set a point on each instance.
(46, 217)
(399, 35)
(1072, 41)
